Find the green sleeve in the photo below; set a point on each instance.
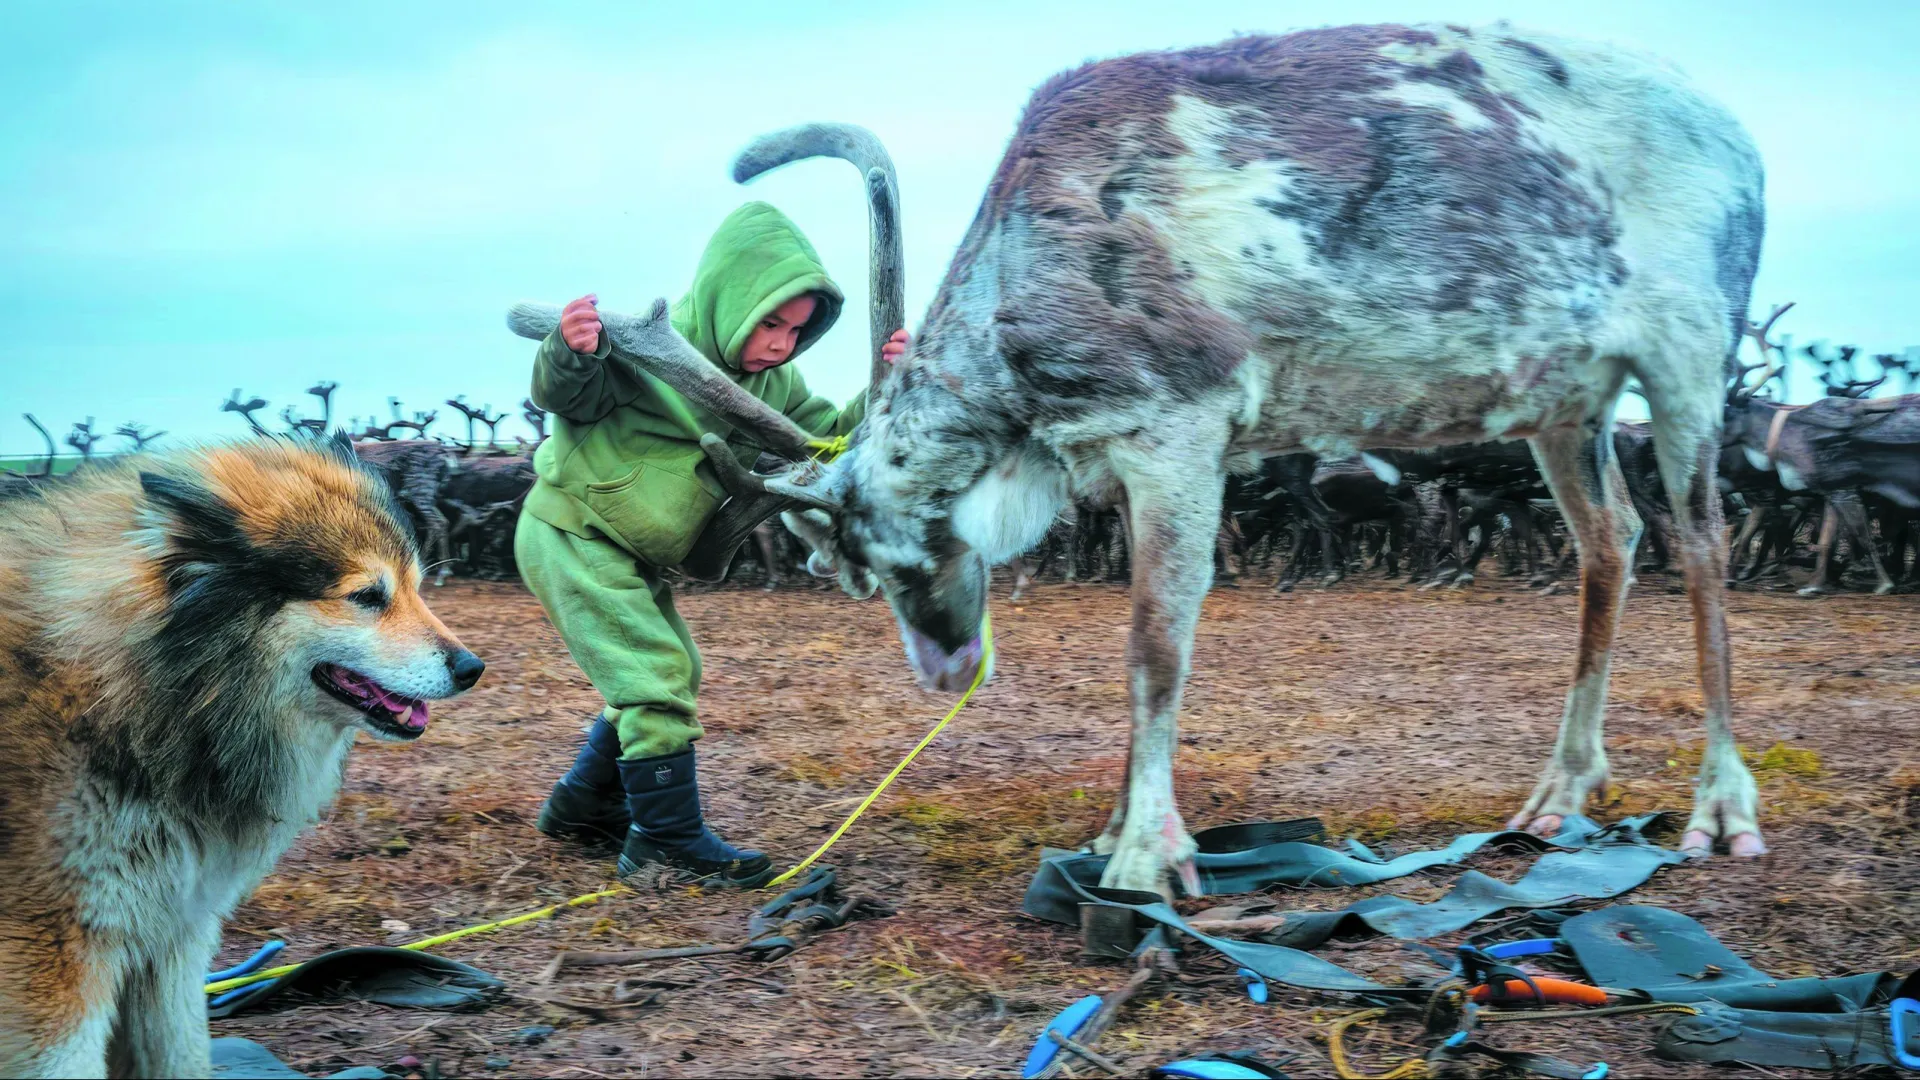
(818, 415)
(577, 386)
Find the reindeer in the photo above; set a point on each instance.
(1324, 242)
(1837, 447)
(417, 470)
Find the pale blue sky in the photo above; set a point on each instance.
(195, 197)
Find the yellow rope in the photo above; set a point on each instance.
(828, 449)
(986, 660)
(427, 943)
(835, 446)
(1337, 1050)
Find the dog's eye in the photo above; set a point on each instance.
(373, 598)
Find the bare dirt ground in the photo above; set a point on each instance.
(1400, 717)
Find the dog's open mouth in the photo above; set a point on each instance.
(397, 715)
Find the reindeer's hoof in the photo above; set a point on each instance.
(1152, 863)
(1561, 793)
(1815, 590)
(1461, 581)
(1883, 588)
(1746, 845)
(1544, 825)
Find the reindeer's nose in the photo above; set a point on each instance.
(466, 668)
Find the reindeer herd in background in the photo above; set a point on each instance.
(1832, 486)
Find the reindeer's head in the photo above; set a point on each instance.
(868, 529)
(851, 510)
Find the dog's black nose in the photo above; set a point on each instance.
(466, 669)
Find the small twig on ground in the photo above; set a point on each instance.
(1073, 1047)
(1253, 924)
(511, 870)
(593, 1008)
(564, 960)
(921, 1015)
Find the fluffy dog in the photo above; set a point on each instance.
(188, 645)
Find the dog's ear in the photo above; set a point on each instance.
(196, 528)
(341, 444)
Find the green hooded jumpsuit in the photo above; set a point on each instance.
(623, 489)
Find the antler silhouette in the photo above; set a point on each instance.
(137, 433)
(82, 438)
(535, 416)
(246, 408)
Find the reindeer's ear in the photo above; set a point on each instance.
(816, 530)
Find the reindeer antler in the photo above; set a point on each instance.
(138, 434)
(1759, 333)
(535, 416)
(459, 404)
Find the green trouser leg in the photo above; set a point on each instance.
(616, 615)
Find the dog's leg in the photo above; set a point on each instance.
(56, 1003)
(162, 1029)
(81, 1052)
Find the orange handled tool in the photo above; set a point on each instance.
(1552, 992)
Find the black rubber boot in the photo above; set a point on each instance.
(588, 803)
(663, 797)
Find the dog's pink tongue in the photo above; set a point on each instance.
(409, 711)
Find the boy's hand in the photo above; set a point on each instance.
(580, 324)
(895, 347)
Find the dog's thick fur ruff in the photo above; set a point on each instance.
(168, 723)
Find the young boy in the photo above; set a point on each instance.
(623, 491)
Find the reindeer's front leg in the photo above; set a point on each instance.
(1173, 508)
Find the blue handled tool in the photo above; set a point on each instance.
(1219, 1067)
(251, 964)
(246, 967)
(1903, 1016)
(1507, 950)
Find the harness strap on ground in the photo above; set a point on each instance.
(1789, 1040)
(1584, 862)
(980, 676)
(1671, 957)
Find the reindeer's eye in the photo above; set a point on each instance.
(372, 597)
